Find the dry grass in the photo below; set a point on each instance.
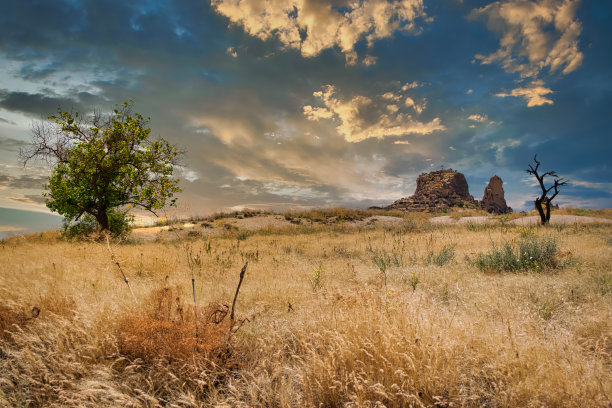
(418, 334)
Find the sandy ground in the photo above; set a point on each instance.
(277, 221)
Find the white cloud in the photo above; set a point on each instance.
(534, 35)
(535, 94)
(593, 185)
(312, 26)
(502, 145)
(361, 117)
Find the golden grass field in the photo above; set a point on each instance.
(318, 323)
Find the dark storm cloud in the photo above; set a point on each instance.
(33, 104)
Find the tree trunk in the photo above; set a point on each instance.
(102, 218)
(538, 206)
(547, 211)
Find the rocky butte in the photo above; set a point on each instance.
(436, 191)
(493, 200)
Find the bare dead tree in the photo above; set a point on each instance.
(543, 202)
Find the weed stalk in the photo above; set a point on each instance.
(116, 261)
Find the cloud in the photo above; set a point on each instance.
(534, 35)
(232, 52)
(478, 118)
(500, 147)
(10, 122)
(361, 117)
(593, 185)
(22, 182)
(312, 26)
(10, 144)
(534, 94)
(31, 199)
(188, 174)
(40, 104)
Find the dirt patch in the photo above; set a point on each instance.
(210, 228)
(447, 220)
(561, 219)
(531, 220)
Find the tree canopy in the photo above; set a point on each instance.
(104, 162)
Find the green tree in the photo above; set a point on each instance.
(104, 163)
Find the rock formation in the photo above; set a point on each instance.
(435, 191)
(493, 200)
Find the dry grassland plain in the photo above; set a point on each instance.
(328, 315)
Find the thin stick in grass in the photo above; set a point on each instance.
(116, 261)
(242, 272)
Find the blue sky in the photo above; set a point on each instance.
(302, 103)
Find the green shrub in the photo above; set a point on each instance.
(528, 253)
(119, 225)
(446, 255)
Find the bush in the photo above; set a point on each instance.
(445, 255)
(119, 224)
(529, 253)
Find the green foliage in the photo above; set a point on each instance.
(529, 253)
(106, 163)
(443, 257)
(243, 235)
(413, 280)
(119, 225)
(384, 260)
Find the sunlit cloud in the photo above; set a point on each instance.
(231, 51)
(537, 38)
(360, 117)
(534, 94)
(534, 35)
(313, 26)
(478, 118)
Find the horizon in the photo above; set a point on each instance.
(319, 104)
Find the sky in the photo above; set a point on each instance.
(310, 103)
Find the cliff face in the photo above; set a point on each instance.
(437, 190)
(493, 200)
